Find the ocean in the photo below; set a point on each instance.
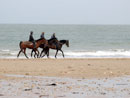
(86, 41)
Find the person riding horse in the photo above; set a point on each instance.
(54, 40)
(42, 35)
(31, 39)
(53, 36)
(60, 44)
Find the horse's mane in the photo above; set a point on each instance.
(52, 39)
(38, 39)
(63, 41)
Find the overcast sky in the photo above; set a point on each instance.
(65, 11)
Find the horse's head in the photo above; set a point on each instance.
(67, 43)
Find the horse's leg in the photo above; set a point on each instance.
(48, 54)
(56, 53)
(38, 53)
(35, 51)
(35, 54)
(32, 52)
(19, 53)
(41, 53)
(25, 53)
(44, 52)
(62, 53)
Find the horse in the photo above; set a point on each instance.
(29, 45)
(52, 46)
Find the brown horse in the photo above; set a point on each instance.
(53, 46)
(29, 45)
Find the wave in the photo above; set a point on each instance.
(117, 53)
(100, 54)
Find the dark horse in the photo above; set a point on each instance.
(52, 46)
(27, 44)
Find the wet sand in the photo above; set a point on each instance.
(55, 87)
(65, 78)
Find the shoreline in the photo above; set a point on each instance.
(58, 58)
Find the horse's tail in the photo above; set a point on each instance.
(20, 44)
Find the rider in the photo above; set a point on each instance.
(42, 35)
(31, 39)
(53, 36)
(56, 41)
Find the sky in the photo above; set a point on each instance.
(64, 11)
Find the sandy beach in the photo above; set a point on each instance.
(65, 78)
(74, 68)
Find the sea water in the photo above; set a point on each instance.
(85, 41)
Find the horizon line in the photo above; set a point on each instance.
(54, 24)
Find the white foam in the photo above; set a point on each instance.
(117, 53)
(5, 50)
(109, 53)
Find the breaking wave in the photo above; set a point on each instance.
(118, 53)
